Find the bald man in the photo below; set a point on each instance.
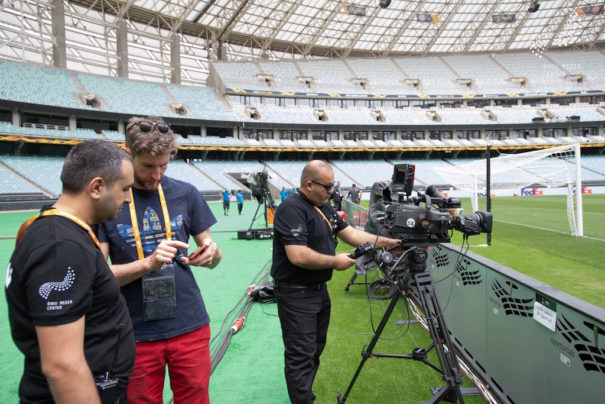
(306, 230)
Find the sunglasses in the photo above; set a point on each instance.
(147, 126)
(327, 187)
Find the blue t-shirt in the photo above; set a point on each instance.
(225, 196)
(240, 198)
(189, 215)
(283, 194)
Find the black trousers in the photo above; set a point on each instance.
(304, 315)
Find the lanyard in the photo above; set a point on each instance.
(77, 220)
(135, 223)
(324, 216)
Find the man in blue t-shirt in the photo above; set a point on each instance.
(240, 201)
(147, 245)
(283, 194)
(226, 202)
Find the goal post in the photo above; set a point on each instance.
(557, 168)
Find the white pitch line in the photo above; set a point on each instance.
(545, 229)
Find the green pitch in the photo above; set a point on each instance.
(531, 235)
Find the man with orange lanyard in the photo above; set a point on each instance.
(66, 312)
(306, 229)
(147, 245)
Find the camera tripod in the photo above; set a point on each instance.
(262, 201)
(415, 271)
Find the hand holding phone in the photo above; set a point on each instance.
(195, 254)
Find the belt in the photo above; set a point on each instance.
(291, 285)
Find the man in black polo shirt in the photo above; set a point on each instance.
(66, 312)
(306, 229)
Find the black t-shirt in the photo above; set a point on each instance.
(55, 276)
(298, 222)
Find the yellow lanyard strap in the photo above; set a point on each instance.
(77, 220)
(324, 216)
(135, 223)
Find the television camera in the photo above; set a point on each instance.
(259, 187)
(426, 218)
(418, 221)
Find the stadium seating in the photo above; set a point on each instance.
(36, 169)
(39, 85)
(185, 172)
(219, 171)
(134, 97)
(11, 183)
(46, 131)
(200, 103)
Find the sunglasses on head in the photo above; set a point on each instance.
(147, 126)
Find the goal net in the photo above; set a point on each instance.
(553, 168)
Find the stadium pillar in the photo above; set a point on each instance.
(175, 59)
(16, 117)
(58, 17)
(122, 48)
(488, 189)
(72, 123)
(203, 131)
(121, 127)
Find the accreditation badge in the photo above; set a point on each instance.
(159, 294)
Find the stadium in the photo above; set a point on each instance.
(255, 86)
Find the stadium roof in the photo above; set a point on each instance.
(275, 29)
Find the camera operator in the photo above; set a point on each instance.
(337, 196)
(306, 230)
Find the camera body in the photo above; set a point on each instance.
(426, 218)
(259, 185)
(107, 388)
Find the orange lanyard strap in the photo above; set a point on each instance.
(135, 223)
(324, 216)
(77, 220)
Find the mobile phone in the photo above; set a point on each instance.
(196, 253)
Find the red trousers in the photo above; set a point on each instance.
(188, 360)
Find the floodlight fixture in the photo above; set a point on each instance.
(535, 6)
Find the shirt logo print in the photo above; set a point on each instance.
(296, 232)
(68, 281)
(152, 232)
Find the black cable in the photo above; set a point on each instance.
(398, 290)
(226, 330)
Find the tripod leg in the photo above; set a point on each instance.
(351, 281)
(255, 214)
(367, 351)
(439, 333)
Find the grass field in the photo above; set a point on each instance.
(530, 235)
